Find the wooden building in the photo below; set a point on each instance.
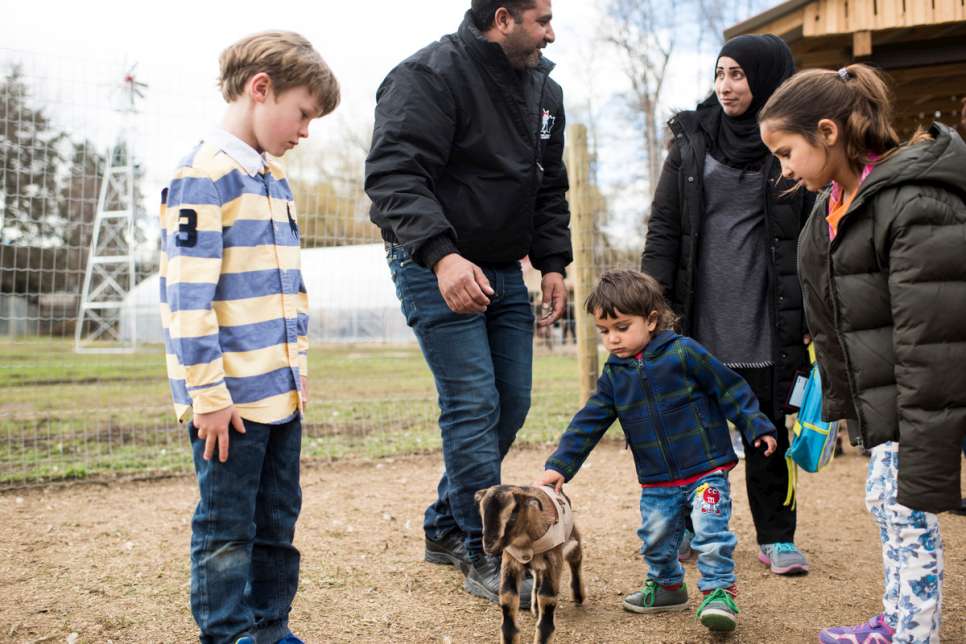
(920, 44)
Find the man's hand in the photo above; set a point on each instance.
(554, 299)
(305, 390)
(213, 429)
(462, 284)
(551, 478)
(770, 444)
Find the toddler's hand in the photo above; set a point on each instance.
(551, 478)
(770, 444)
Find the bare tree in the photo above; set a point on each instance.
(714, 16)
(643, 32)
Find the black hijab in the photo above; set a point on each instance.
(767, 62)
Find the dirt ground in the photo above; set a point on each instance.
(93, 563)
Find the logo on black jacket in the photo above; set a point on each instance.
(546, 124)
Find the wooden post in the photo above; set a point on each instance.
(861, 44)
(582, 235)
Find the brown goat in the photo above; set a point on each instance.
(514, 520)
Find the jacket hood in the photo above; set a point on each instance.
(941, 161)
(657, 345)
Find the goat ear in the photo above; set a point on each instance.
(478, 497)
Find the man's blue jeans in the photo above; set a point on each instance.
(244, 568)
(482, 365)
(663, 510)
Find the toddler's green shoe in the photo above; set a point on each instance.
(655, 598)
(718, 611)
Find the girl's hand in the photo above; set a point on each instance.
(770, 444)
(551, 478)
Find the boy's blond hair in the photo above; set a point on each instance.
(289, 60)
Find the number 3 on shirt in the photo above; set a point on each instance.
(187, 228)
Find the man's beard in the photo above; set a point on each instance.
(533, 60)
(522, 56)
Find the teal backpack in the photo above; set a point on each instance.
(813, 444)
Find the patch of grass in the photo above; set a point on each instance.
(65, 415)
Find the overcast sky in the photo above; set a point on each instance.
(73, 53)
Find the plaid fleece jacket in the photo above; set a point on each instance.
(672, 406)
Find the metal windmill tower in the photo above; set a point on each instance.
(110, 274)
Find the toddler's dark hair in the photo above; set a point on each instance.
(631, 293)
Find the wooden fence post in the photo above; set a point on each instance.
(582, 235)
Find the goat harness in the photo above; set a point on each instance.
(555, 535)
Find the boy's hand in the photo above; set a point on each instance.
(305, 391)
(551, 478)
(770, 444)
(213, 429)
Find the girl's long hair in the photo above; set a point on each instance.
(856, 97)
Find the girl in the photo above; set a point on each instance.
(882, 271)
(722, 241)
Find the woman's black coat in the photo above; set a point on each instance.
(671, 249)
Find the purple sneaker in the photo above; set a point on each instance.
(874, 631)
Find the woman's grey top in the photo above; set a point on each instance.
(732, 317)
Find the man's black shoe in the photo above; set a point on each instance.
(448, 551)
(483, 580)
(962, 508)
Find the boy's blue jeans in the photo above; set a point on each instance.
(482, 365)
(663, 511)
(244, 568)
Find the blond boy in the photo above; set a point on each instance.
(235, 312)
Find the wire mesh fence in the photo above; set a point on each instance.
(67, 413)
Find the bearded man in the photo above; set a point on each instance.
(466, 178)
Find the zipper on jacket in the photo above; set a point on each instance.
(690, 312)
(537, 150)
(839, 338)
(774, 278)
(659, 423)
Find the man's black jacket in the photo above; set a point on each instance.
(467, 156)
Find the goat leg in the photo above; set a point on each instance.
(533, 591)
(510, 575)
(573, 553)
(546, 594)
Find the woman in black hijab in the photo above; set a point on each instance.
(722, 241)
(761, 64)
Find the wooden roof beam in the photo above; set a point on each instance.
(918, 53)
(786, 18)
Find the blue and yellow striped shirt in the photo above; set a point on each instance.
(233, 302)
